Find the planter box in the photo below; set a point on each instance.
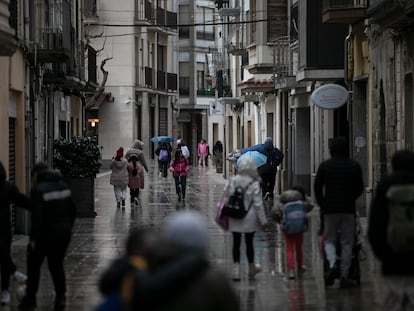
(83, 194)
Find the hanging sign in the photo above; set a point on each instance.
(330, 96)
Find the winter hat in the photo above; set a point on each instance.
(120, 152)
(187, 230)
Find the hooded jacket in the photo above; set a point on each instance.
(137, 149)
(53, 210)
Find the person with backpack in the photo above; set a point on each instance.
(391, 231)
(135, 178)
(338, 183)
(247, 179)
(291, 212)
(119, 177)
(268, 171)
(179, 167)
(164, 157)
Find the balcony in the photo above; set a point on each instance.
(391, 13)
(90, 11)
(54, 45)
(236, 49)
(283, 71)
(343, 11)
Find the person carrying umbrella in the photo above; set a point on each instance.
(163, 153)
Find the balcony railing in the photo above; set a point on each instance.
(343, 11)
(282, 59)
(236, 48)
(172, 81)
(161, 80)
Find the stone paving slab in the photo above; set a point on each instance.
(96, 241)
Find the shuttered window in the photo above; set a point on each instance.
(163, 122)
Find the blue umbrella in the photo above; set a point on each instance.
(252, 148)
(259, 158)
(165, 139)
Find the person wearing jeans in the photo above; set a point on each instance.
(179, 167)
(338, 183)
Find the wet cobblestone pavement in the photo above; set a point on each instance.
(97, 241)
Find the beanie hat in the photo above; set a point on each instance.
(120, 152)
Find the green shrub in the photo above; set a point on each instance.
(80, 157)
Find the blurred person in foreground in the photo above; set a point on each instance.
(116, 281)
(392, 237)
(9, 193)
(53, 216)
(338, 184)
(180, 276)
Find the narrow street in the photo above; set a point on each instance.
(97, 241)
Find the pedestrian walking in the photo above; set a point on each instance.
(163, 153)
(135, 179)
(248, 179)
(137, 149)
(116, 281)
(179, 167)
(338, 184)
(291, 211)
(391, 231)
(52, 217)
(9, 193)
(119, 177)
(202, 152)
(180, 276)
(268, 171)
(218, 156)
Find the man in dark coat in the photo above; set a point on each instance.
(53, 215)
(268, 171)
(8, 194)
(397, 265)
(338, 184)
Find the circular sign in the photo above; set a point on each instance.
(330, 96)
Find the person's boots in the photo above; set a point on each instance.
(236, 272)
(253, 270)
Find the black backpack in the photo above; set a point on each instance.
(234, 208)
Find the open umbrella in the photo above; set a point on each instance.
(165, 139)
(252, 148)
(259, 158)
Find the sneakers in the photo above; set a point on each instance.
(5, 298)
(330, 277)
(60, 304)
(291, 274)
(19, 277)
(136, 202)
(301, 271)
(253, 270)
(236, 272)
(346, 283)
(266, 196)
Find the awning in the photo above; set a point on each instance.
(256, 85)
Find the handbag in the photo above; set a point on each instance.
(221, 220)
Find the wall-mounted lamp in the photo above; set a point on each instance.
(93, 122)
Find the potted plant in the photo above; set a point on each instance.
(79, 160)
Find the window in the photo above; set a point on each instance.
(204, 16)
(253, 19)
